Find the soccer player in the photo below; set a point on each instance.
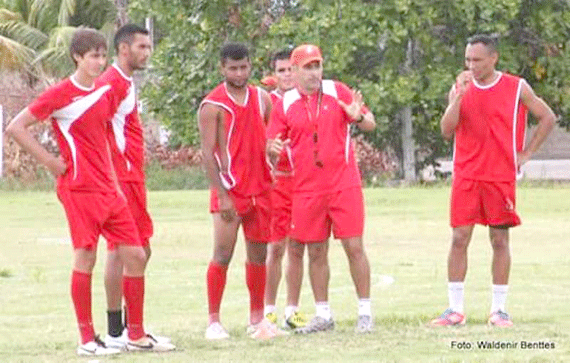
(133, 48)
(486, 116)
(87, 186)
(281, 200)
(232, 119)
(314, 118)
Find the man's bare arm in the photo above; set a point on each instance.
(18, 130)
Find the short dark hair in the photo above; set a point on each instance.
(489, 41)
(84, 40)
(234, 51)
(126, 33)
(281, 55)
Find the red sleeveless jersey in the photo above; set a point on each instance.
(491, 130)
(244, 169)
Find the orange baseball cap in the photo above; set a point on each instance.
(269, 81)
(306, 53)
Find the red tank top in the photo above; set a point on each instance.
(491, 130)
(240, 154)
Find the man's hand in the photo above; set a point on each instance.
(354, 110)
(275, 146)
(522, 158)
(56, 166)
(227, 209)
(462, 82)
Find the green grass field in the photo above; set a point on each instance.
(407, 238)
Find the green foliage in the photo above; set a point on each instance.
(35, 35)
(398, 52)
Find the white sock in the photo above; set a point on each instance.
(455, 295)
(323, 310)
(289, 310)
(499, 297)
(364, 307)
(268, 309)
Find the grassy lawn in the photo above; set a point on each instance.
(407, 238)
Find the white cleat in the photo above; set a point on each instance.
(96, 347)
(119, 342)
(216, 332)
(146, 344)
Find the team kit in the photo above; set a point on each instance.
(281, 165)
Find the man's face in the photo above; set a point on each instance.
(309, 76)
(284, 74)
(236, 72)
(93, 62)
(480, 61)
(139, 51)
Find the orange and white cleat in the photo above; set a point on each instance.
(449, 318)
(501, 319)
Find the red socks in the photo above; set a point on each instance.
(255, 279)
(216, 281)
(81, 296)
(133, 290)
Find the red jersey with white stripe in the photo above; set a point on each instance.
(321, 147)
(284, 165)
(79, 118)
(244, 169)
(126, 134)
(491, 130)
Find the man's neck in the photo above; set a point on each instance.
(238, 93)
(490, 79)
(83, 79)
(124, 67)
(307, 91)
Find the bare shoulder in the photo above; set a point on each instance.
(209, 111)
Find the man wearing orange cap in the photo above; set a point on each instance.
(281, 201)
(314, 119)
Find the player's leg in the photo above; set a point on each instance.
(83, 211)
(499, 237)
(275, 252)
(294, 276)
(255, 276)
(500, 211)
(114, 294)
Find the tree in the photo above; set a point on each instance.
(35, 34)
(402, 54)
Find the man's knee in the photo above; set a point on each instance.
(460, 239)
(276, 251)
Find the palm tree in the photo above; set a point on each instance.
(35, 34)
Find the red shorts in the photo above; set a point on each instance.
(483, 202)
(314, 216)
(254, 211)
(135, 192)
(281, 202)
(91, 214)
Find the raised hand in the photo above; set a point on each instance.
(354, 110)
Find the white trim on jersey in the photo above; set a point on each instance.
(261, 104)
(277, 94)
(515, 123)
(230, 181)
(83, 88)
(329, 88)
(234, 100)
(116, 66)
(67, 115)
(489, 85)
(289, 98)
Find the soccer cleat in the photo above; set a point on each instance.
(296, 320)
(364, 324)
(146, 344)
(449, 318)
(216, 332)
(501, 319)
(316, 325)
(272, 317)
(264, 330)
(96, 347)
(119, 342)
